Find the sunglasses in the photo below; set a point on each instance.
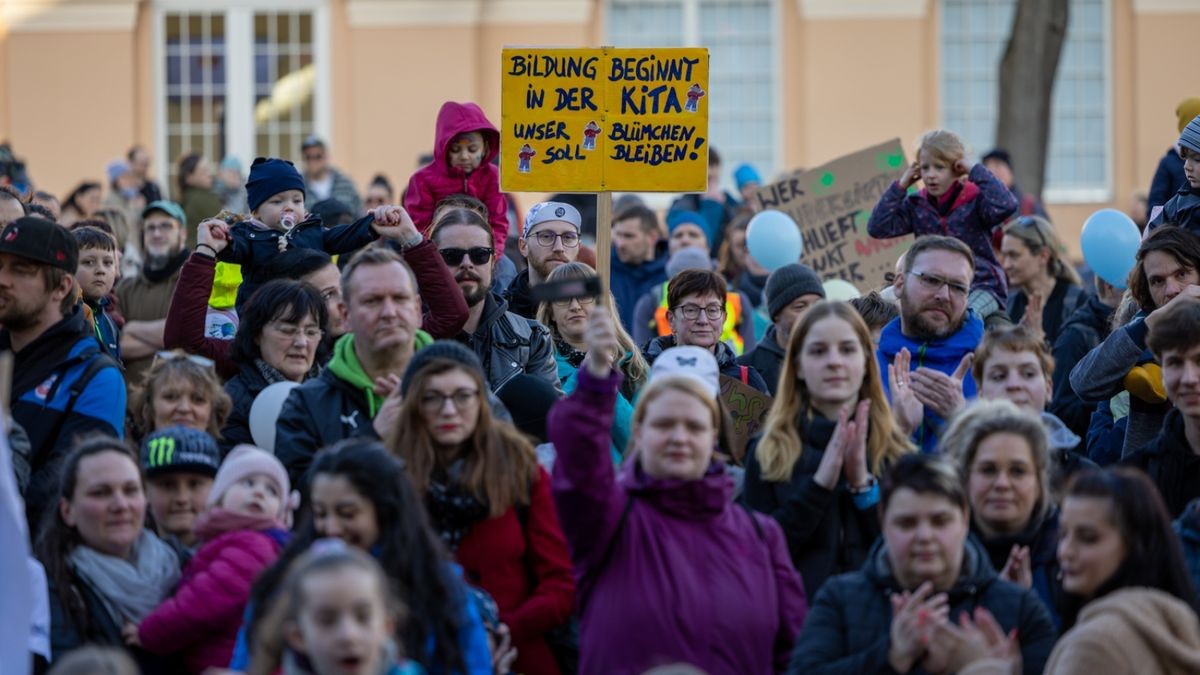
(1031, 224)
(479, 255)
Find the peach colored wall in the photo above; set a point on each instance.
(72, 103)
(864, 81)
(5, 99)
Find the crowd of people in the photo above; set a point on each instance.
(990, 465)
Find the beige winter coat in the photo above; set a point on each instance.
(1139, 631)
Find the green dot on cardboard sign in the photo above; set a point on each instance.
(861, 218)
(827, 179)
(895, 160)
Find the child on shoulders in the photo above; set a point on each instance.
(464, 146)
(275, 195)
(958, 200)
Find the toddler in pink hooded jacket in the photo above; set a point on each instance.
(464, 147)
(242, 532)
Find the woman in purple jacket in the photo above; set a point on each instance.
(668, 569)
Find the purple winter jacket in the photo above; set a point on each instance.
(666, 571)
(982, 205)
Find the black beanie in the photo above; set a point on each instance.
(788, 283)
(268, 177)
(529, 399)
(441, 349)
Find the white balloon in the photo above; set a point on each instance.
(840, 289)
(773, 239)
(264, 412)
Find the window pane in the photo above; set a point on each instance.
(974, 35)
(195, 87)
(284, 75)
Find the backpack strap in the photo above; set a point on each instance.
(99, 362)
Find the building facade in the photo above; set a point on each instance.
(793, 83)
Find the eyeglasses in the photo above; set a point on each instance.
(291, 331)
(546, 238)
(565, 303)
(314, 158)
(692, 312)
(934, 284)
(175, 356)
(479, 255)
(434, 401)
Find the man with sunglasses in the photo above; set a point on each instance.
(550, 238)
(322, 181)
(931, 344)
(508, 344)
(63, 385)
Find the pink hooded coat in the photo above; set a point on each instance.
(201, 620)
(439, 180)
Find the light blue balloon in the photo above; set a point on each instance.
(1110, 241)
(773, 240)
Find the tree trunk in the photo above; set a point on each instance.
(1027, 75)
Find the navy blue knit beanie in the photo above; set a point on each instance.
(268, 177)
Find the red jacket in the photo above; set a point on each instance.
(439, 180)
(527, 573)
(202, 618)
(184, 327)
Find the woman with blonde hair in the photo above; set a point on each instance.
(567, 321)
(180, 389)
(829, 433)
(1044, 289)
(1004, 459)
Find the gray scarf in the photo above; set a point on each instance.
(130, 589)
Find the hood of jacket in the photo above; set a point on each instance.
(1165, 624)
(346, 367)
(687, 499)
(1188, 523)
(976, 575)
(1172, 440)
(460, 118)
(1060, 437)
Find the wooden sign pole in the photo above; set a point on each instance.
(604, 236)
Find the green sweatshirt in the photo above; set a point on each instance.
(346, 366)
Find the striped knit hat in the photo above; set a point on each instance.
(1190, 138)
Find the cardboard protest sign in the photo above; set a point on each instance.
(607, 119)
(832, 203)
(747, 408)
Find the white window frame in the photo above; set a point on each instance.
(239, 82)
(1064, 195)
(691, 38)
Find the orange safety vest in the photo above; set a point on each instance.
(729, 331)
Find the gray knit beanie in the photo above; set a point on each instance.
(1190, 138)
(788, 283)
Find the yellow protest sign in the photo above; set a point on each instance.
(607, 119)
